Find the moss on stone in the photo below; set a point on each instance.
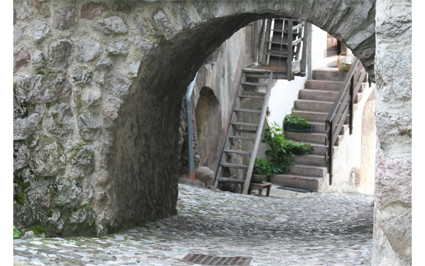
(37, 228)
(19, 198)
(79, 103)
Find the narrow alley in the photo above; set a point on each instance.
(287, 228)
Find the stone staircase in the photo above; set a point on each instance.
(314, 104)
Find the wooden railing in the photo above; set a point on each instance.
(343, 107)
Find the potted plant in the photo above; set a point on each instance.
(297, 124)
(263, 169)
(344, 65)
(303, 149)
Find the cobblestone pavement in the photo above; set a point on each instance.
(314, 229)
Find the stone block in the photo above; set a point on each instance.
(42, 88)
(105, 64)
(38, 59)
(183, 16)
(60, 53)
(69, 193)
(18, 32)
(25, 10)
(59, 120)
(87, 50)
(134, 69)
(145, 46)
(49, 159)
(92, 10)
(91, 97)
(118, 48)
(83, 161)
(204, 174)
(41, 32)
(164, 25)
(64, 18)
(21, 156)
(21, 58)
(82, 77)
(24, 127)
(110, 25)
(90, 124)
(117, 86)
(110, 112)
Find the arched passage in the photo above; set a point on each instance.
(142, 160)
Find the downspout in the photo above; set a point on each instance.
(189, 127)
(309, 56)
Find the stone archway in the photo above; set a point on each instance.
(120, 71)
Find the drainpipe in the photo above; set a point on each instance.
(189, 127)
(310, 56)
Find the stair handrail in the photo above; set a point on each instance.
(258, 135)
(343, 107)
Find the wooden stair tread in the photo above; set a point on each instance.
(244, 124)
(233, 165)
(230, 180)
(237, 151)
(246, 110)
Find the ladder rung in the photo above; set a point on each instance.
(231, 180)
(233, 165)
(237, 151)
(254, 93)
(253, 84)
(244, 124)
(243, 138)
(251, 96)
(247, 110)
(278, 55)
(246, 131)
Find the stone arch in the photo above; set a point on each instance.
(129, 120)
(149, 135)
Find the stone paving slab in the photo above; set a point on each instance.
(318, 229)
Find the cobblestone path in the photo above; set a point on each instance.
(318, 229)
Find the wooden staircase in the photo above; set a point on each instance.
(246, 125)
(314, 103)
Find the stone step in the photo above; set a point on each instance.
(324, 85)
(310, 105)
(308, 170)
(312, 138)
(319, 149)
(319, 127)
(311, 116)
(316, 160)
(298, 181)
(318, 138)
(329, 74)
(318, 95)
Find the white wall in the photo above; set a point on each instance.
(319, 46)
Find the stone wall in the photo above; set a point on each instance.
(392, 243)
(97, 98)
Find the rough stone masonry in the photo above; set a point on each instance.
(98, 89)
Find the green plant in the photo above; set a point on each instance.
(16, 232)
(138, 260)
(303, 149)
(265, 168)
(292, 120)
(281, 149)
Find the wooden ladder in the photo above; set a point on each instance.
(241, 130)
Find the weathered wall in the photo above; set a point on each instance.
(347, 163)
(392, 243)
(221, 73)
(368, 147)
(97, 95)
